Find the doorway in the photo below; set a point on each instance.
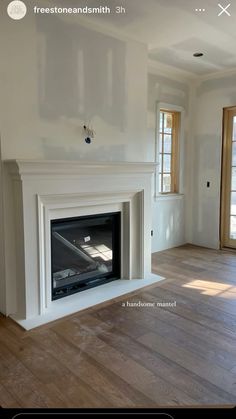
(228, 190)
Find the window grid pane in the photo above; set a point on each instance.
(233, 228)
(233, 204)
(234, 154)
(166, 183)
(167, 147)
(233, 182)
(168, 123)
(166, 163)
(234, 129)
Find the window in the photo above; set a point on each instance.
(168, 151)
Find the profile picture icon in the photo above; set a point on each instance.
(16, 9)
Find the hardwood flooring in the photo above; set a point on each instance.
(115, 355)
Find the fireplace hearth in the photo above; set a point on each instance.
(85, 252)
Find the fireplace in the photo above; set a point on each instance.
(85, 252)
(97, 215)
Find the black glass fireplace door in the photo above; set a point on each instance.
(85, 253)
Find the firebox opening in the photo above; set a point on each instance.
(85, 252)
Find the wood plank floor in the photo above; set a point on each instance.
(115, 355)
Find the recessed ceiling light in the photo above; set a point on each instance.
(198, 54)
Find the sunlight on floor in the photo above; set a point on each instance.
(212, 288)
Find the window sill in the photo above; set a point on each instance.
(168, 197)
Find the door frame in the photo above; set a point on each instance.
(226, 165)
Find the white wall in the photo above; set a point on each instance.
(168, 220)
(168, 213)
(58, 74)
(211, 97)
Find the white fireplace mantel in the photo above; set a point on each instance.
(66, 167)
(37, 192)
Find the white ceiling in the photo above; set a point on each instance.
(173, 30)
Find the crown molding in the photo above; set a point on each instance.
(174, 73)
(217, 74)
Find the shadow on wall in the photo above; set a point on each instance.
(172, 225)
(168, 223)
(82, 73)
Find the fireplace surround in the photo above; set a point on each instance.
(37, 195)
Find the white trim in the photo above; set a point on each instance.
(174, 73)
(216, 75)
(60, 168)
(53, 207)
(169, 197)
(170, 107)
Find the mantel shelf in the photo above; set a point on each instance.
(59, 167)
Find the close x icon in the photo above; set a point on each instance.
(224, 9)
